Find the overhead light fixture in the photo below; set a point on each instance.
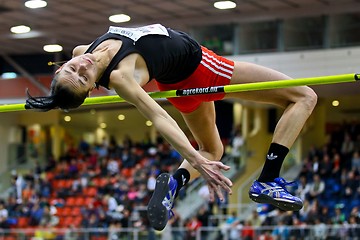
(35, 4)
(20, 29)
(103, 125)
(335, 103)
(31, 34)
(224, 5)
(53, 48)
(119, 18)
(67, 118)
(148, 123)
(121, 117)
(8, 75)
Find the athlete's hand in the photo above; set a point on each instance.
(211, 172)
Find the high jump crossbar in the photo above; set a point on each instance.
(342, 78)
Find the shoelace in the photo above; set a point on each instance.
(171, 214)
(169, 208)
(168, 202)
(283, 183)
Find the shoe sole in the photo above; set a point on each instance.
(156, 211)
(285, 206)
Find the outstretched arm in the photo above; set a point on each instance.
(126, 86)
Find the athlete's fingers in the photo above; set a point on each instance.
(211, 193)
(223, 180)
(219, 193)
(224, 184)
(220, 165)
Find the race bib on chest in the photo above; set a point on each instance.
(136, 33)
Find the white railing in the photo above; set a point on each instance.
(319, 232)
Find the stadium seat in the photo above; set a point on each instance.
(23, 222)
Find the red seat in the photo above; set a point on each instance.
(70, 201)
(67, 221)
(23, 222)
(77, 221)
(88, 200)
(67, 211)
(76, 211)
(50, 176)
(68, 183)
(79, 201)
(90, 191)
(96, 181)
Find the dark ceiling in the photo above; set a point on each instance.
(73, 22)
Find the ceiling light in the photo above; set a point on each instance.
(35, 4)
(225, 5)
(103, 125)
(121, 117)
(67, 118)
(53, 48)
(8, 75)
(31, 34)
(335, 103)
(119, 18)
(148, 123)
(20, 29)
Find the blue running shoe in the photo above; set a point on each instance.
(275, 193)
(160, 206)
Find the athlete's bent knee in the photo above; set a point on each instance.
(309, 99)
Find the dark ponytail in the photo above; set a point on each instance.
(61, 97)
(40, 103)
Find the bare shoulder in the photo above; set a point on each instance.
(78, 50)
(131, 67)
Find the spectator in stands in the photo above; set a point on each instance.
(230, 228)
(337, 160)
(353, 232)
(71, 233)
(192, 225)
(326, 167)
(324, 214)
(3, 215)
(247, 231)
(349, 186)
(255, 219)
(355, 161)
(316, 187)
(303, 187)
(339, 217)
(112, 166)
(281, 231)
(313, 213)
(83, 147)
(47, 218)
(36, 214)
(203, 216)
(320, 230)
(151, 182)
(355, 212)
(237, 143)
(176, 225)
(347, 149)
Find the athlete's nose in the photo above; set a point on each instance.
(82, 66)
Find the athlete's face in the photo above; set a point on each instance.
(80, 73)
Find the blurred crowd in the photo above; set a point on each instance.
(108, 185)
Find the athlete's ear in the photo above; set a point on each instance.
(92, 88)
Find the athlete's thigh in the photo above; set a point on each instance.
(202, 124)
(252, 73)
